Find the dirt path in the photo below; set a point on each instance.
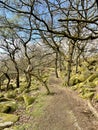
(65, 111)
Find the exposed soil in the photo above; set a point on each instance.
(66, 113)
(65, 110)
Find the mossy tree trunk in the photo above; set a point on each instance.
(29, 67)
(17, 74)
(28, 79)
(71, 50)
(80, 51)
(61, 62)
(8, 82)
(56, 65)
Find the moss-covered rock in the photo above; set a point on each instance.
(19, 97)
(22, 87)
(4, 108)
(78, 86)
(95, 81)
(7, 107)
(7, 120)
(28, 99)
(1, 95)
(4, 99)
(96, 98)
(92, 61)
(74, 80)
(10, 94)
(89, 84)
(85, 64)
(85, 90)
(78, 78)
(92, 77)
(5, 124)
(88, 95)
(96, 68)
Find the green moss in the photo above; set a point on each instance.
(92, 77)
(8, 118)
(85, 64)
(38, 107)
(4, 108)
(92, 61)
(28, 99)
(22, 88)
(74, 87)
(95, 81)
(10, 94)
(85, 90)
(89, 95)
(19, 97)
(90, 84)
(96, 98)
(24, 126)
(96, 68)
(1, 95)
(80, 85)
(8, 106)
(22, 79)
(74, 80)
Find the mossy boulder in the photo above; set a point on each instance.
(74, 80)
(21, 89)
(92, 77)
(85, 90)
(7, 107)
(4, 108)
(96, 98)
(78, 78)
(84, 76)
(92, 61)
(4, 99)
(88, 95)
(10, 94)
(90, 67)
(89, 84)
(95, 81)
(96, 68)
(28, 99)
(1, 95)
(19, 98)
(78, 86)
(85, 64)
(22, 79)
(6, 120)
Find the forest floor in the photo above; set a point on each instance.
(64, 110)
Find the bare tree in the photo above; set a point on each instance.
(52, 19)
(10, 48)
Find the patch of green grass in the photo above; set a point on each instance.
(39, 106)
(25, 126)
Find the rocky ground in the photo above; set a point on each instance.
(62, 110)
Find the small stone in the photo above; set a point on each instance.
(6, 124)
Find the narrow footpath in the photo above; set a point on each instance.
(66, 111)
